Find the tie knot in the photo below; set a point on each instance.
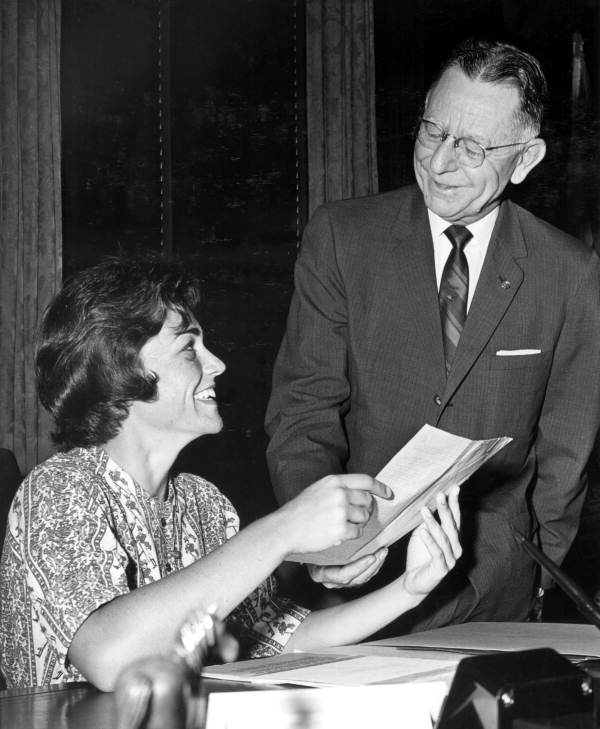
(458, 235)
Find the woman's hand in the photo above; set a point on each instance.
(434, 547)
(330, 511)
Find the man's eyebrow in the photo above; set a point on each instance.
(475, 137)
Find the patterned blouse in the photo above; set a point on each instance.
(81, 532)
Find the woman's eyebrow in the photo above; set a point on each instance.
(189, 330)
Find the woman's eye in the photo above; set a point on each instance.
(190, 348)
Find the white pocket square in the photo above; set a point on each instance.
(516, 352)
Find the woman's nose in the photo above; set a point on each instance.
(212, 364)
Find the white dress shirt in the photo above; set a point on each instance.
(475, 249)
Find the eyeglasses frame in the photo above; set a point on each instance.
(457, 140)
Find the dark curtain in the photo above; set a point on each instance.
(340, 100)
(30, 211)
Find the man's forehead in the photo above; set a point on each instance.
(471, 105)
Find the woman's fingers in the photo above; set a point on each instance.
(454, 505)
(358, 514)
(439, 537)
(360, 482)
(447, 508)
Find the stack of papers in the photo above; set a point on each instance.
(574, 640)
(389, 683)
(339, 668)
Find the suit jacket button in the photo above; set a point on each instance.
(437, 400)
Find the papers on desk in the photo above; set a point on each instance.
(418, 670)
(384, 707)
(337, 669)
(432, 462)
(575, 640)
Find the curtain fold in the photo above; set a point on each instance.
(340, 94)
(30, 212)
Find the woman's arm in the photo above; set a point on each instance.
(433, 550)
(144, 622)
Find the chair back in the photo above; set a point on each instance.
(10, 478)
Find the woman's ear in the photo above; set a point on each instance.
(532, 154)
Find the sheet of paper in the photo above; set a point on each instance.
(418, 705)
(333, 669)
(433, 461)
(570, 639)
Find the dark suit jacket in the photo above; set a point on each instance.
(361, 369)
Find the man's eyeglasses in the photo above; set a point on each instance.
(468, 152)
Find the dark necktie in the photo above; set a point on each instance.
(454, 289)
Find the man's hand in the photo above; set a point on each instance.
(434, 547)
(352, 574)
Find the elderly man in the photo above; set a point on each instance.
(445, 303)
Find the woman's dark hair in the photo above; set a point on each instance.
(496, 62)
(87, 362)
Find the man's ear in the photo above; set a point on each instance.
(532, 155)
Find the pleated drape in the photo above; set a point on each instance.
(340, 100)
(30, 212)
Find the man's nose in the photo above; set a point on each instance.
(444, 157)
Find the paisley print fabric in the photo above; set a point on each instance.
(81, 532)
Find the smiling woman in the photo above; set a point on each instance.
(186, 404)
(108, 551)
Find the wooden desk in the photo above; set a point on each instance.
(57, 707)
(70, 706)
(80, 706)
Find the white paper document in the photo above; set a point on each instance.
(570, 639)
(433, 461)
(413, 706)
(335, 669)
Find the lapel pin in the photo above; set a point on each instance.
(504, 284)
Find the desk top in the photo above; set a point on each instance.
(63, 706)
(81, 706)
(71, 706)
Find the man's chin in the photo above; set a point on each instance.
(443, 208)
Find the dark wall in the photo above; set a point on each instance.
(233, 180)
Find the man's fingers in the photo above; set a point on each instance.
(354, 573)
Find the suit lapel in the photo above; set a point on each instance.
(414, 273)
(500, 279)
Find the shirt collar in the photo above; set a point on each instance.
(481, 229)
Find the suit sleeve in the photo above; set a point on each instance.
(310, 381)
(570, 418)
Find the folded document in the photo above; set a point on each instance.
(433, 461)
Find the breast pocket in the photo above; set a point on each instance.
(516, 384)
(520, 361)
